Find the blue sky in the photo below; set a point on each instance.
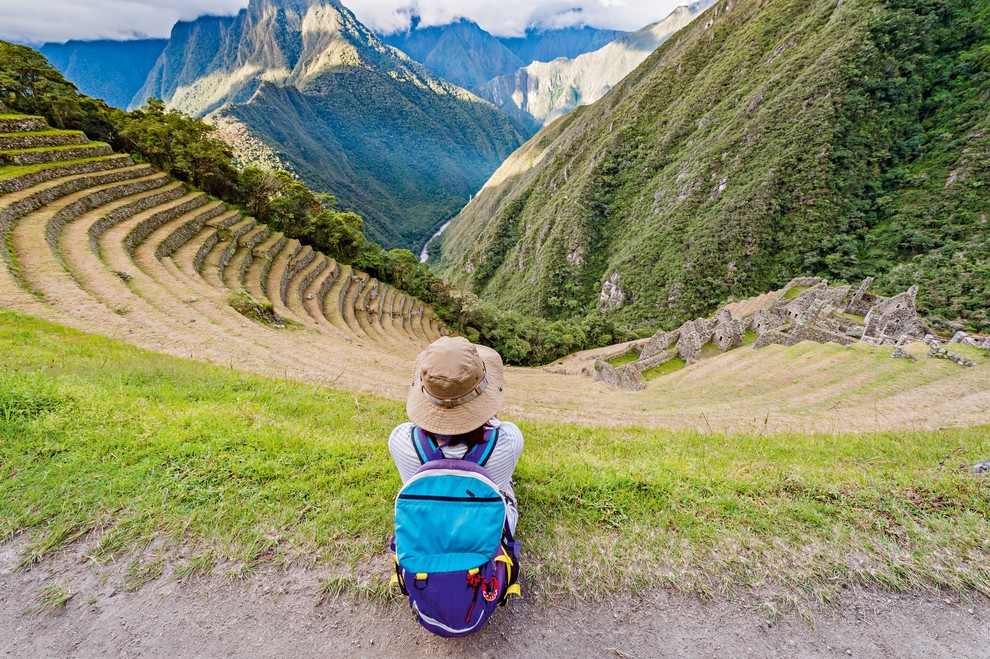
(21, 21)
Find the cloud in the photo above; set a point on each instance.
(60, 20)
(34, 22)
(512, 17)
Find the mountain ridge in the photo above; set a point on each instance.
(355, 117)
(111, 70)
(540, 92)
(543, 44)
(467, 55)
(460, 52)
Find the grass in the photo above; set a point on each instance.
(627, 358)
(749, 338)
(52, 598)
(710, 350)
(190, 467)
(10, 171)
(50, 131)
(973, 353)
(38, 149)
(671, 366)
(860, 320)
(795, 291)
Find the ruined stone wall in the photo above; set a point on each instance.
(694, 335)
(814, 315)
(857, 304)
(728, 332)
(623, 377)
(660, 342)
(895, 317)
(796, 335)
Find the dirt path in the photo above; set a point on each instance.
(282, 614)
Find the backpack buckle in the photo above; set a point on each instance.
(421, 577)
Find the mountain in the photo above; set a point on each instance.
(765, 140)
(190, 54)
(547, 44)
(303, 84)
(460, 52)
(544, 90)
(111, 70)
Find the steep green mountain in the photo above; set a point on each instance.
(111, 70)
(189, 54)
(543, 91)
(764, 141)
(460, 52)
(304, 85)
(547, 44)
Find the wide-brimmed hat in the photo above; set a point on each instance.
(457, 386)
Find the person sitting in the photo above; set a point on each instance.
(470, 377)
(456, 556)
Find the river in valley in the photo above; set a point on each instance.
(425, 255)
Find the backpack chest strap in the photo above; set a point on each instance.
(428, 450)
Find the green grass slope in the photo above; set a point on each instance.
(179, 467)
(764, 141)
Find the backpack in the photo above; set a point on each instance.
(455, 557)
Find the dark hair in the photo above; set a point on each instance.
(470, 439)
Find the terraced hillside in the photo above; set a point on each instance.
(95, 241)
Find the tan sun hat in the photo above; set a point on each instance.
(457, 386)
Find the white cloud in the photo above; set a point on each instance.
(127, 19)
(512, 17)
(34, 22)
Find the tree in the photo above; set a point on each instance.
(181, 145)
(29, 84)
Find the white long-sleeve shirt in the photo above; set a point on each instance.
(500, 465)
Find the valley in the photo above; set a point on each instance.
(742, 253)
(307, 87)
(107, 246)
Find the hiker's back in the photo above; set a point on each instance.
(455, 556)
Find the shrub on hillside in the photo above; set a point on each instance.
(179, 144)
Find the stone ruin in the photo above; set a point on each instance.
(819, 312)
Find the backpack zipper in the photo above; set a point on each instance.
(427, 497)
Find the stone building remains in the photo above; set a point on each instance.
(807, 309)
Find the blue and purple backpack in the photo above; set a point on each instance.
(455, 557)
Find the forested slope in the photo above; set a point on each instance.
(764, 141)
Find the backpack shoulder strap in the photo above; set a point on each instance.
(480, 453)
(426, 449)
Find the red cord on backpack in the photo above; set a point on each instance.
(475, 581)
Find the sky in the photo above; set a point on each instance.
(21, 20)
